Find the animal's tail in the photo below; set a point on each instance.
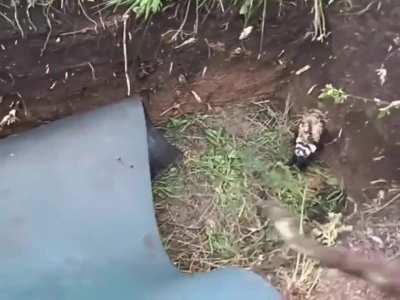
(383, 274)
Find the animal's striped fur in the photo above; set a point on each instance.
(308, 138)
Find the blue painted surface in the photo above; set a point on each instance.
(77, 218)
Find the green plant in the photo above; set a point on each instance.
(142, 8)
(333, 94)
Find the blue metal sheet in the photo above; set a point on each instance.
(77, 218)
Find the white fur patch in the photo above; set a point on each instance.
(313, 148)
(304, 150)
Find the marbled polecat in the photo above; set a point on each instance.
(308, 138)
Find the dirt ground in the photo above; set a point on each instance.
(79, 65)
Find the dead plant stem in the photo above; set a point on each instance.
(128, 80)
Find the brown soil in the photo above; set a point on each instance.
(62, 81)
(82, 66)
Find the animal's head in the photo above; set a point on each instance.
(300, 153)
(303, 154)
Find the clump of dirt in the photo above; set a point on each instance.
(339, 286)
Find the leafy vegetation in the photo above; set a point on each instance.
(145, 8)
(333, 94)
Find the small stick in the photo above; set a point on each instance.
(92, 69)
(16, 18)
(336, 138)
(196, 24)
(175, 106)
(102, 21)
(395, 103)
(49, 33)
(87, 16)
(128, 80)
(175, 36)
(83, 30)
(28, 15)
(378, 209)
(8, 19)
(262, 30)
(364, 10)
(196, 97)
(221, 4)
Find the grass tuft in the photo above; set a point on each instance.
(249, 9)
(142, 8)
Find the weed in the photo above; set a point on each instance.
(333, 94)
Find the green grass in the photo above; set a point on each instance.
(207, 205)
(249, 9)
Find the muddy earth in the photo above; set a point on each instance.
(69, 59)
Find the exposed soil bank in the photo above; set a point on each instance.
(82, 64)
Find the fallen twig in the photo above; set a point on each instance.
(128, 80)
(82, 31)
(302, 70)
(28, 16)
(175, 36)
(380, 208)
(92, 70)
(196, 23)
(319, 21)
(14, 4)
(364, 10)
(46, 14)
(395, 103)
(189, 41)
(87, 16)
(8, 19)
(175, 106)
(260, 49)
(196, 97)
(102, 21)
(339, 135)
